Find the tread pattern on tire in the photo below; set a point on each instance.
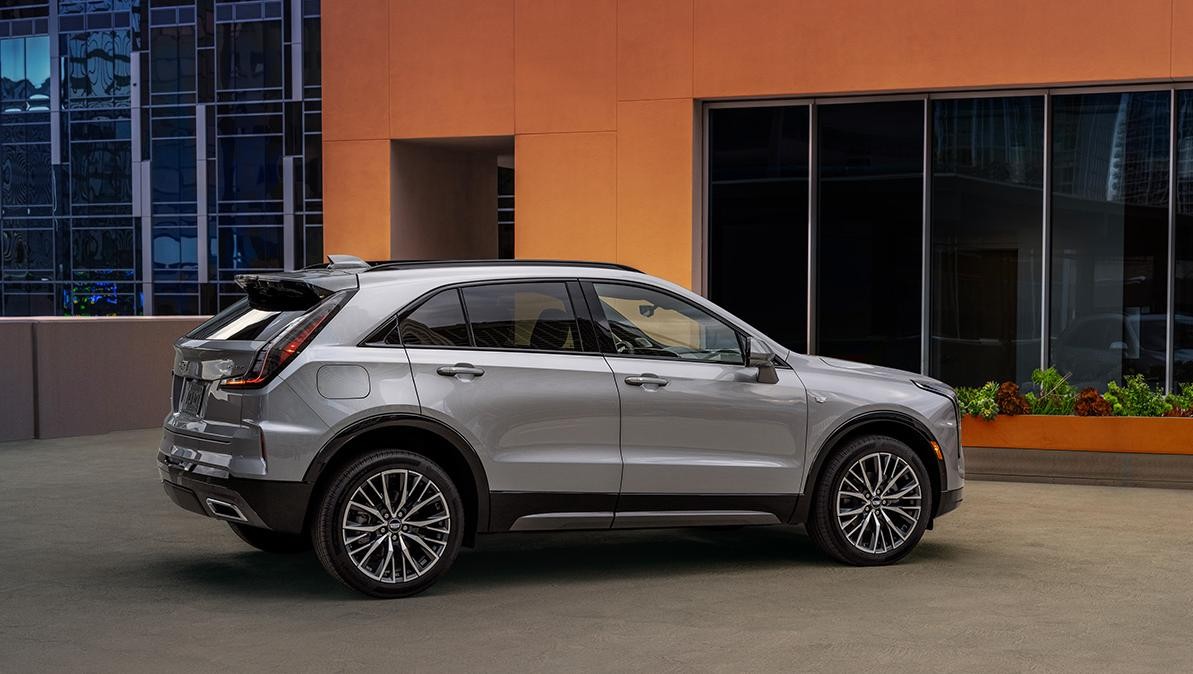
(822, 526)
(325, 529)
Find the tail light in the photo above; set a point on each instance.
(287, 344)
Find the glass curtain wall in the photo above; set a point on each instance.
(986, 230)
(1052, 254)
(758, 217)
(1109, 265)
(153, 149)
(870, 231)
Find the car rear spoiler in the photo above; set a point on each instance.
(294, 291)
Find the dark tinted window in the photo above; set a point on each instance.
(1109, 233)
(437, 322)
(1182, 347)
(536, 316)
(987, 226)
(250, 55)
(870, 231)
(758, 217)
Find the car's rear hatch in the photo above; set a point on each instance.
(226, 345)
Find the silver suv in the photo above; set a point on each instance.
(389, 413)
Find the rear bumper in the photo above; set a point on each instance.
(949, 501)
(280, 506)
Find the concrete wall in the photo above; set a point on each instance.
(81, 376)
(16, 381)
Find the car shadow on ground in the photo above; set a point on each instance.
(526, 559)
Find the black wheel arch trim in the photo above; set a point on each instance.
(409, 420)
(852, 425)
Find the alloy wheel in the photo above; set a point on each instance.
(396, 526)
(878, 503)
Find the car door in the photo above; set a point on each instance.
(694, 419)
(505, 364)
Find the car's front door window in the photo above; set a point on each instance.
(646, 322)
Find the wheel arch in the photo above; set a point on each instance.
(433, 439)
(898, 425)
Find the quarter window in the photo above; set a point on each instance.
(533, 316)
(437, 322)
(649, 323)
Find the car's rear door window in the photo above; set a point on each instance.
(437, 322)
(535, 316)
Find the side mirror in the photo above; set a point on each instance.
(762, 357)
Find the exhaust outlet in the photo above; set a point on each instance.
(225, 510)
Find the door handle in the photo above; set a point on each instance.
(647, 379)
(460, 369)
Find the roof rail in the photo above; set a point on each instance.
(423, 264)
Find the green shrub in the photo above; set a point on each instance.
(980, 401)
(1053, 395)
(1181, 401)
(1135, 398)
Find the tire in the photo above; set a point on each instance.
(394, 550)
(870, 531)
(271, 541)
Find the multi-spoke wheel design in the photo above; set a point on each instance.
(389, 524)
(878, 503)
(396, 526)
(871, 501)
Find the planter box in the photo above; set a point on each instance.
(1135, 435)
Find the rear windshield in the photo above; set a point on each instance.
(242, 322)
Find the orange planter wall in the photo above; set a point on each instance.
(1140, 435)
(616, 84)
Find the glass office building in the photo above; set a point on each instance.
(968, 236)
(151, 150)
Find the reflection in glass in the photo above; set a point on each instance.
(250, 168)
(25, 73)
(1109, 236)
(250, 55)
(172, 54)
(1182, 346)
(174, 170)
(68, 240)
(97, 65)
(101, 172)
(758, 218)
(25, 175)
(250, 247)
(987, 213)
(870, 164)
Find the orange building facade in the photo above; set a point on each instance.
(602, 106)
(601, 97)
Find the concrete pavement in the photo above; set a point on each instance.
(100, 572)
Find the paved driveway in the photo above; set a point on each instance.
(98, 571)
